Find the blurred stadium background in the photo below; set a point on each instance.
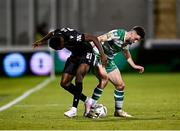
(24, 21)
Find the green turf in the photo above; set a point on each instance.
(11, 88)
(154, 100)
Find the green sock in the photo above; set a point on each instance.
(119, 98)
(96, 95)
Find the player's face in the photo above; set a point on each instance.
(134, 37)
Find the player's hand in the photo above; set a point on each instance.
(140, 68)
(104, 60)
(36, 44)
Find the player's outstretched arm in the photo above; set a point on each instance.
(102, 38)
(129, 59)
(107, 37)
(42, 41)
(89, 37)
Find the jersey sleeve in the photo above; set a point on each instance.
(113, 34)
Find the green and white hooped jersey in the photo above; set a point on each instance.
(114, 44)
(111, 48)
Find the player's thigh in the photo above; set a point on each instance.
(71, 66)
(115, 77)
(84, 63)
(82, 69)
(68, 72)
(83, 66)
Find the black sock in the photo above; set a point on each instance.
(83, 97)
(77, 94)
(72, 89)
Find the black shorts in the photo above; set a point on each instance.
(73, 62)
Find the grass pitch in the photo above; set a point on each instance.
(153, 100)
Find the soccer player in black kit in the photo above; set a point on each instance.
(78, 64)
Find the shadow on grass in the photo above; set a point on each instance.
(116, 119)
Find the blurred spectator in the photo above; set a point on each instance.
(41, 30)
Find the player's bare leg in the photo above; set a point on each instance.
(103, 80)
(117, 81)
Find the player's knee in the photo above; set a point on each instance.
(121, 86)
(63, 84)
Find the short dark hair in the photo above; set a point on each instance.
(54, 43)
(140, 31)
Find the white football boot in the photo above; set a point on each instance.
(122, 114)
(71, 113)
(92, 114)
(87, 106)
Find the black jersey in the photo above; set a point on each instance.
(74, 41)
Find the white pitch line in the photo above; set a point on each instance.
(26, 94)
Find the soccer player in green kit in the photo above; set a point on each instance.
(113, 42)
